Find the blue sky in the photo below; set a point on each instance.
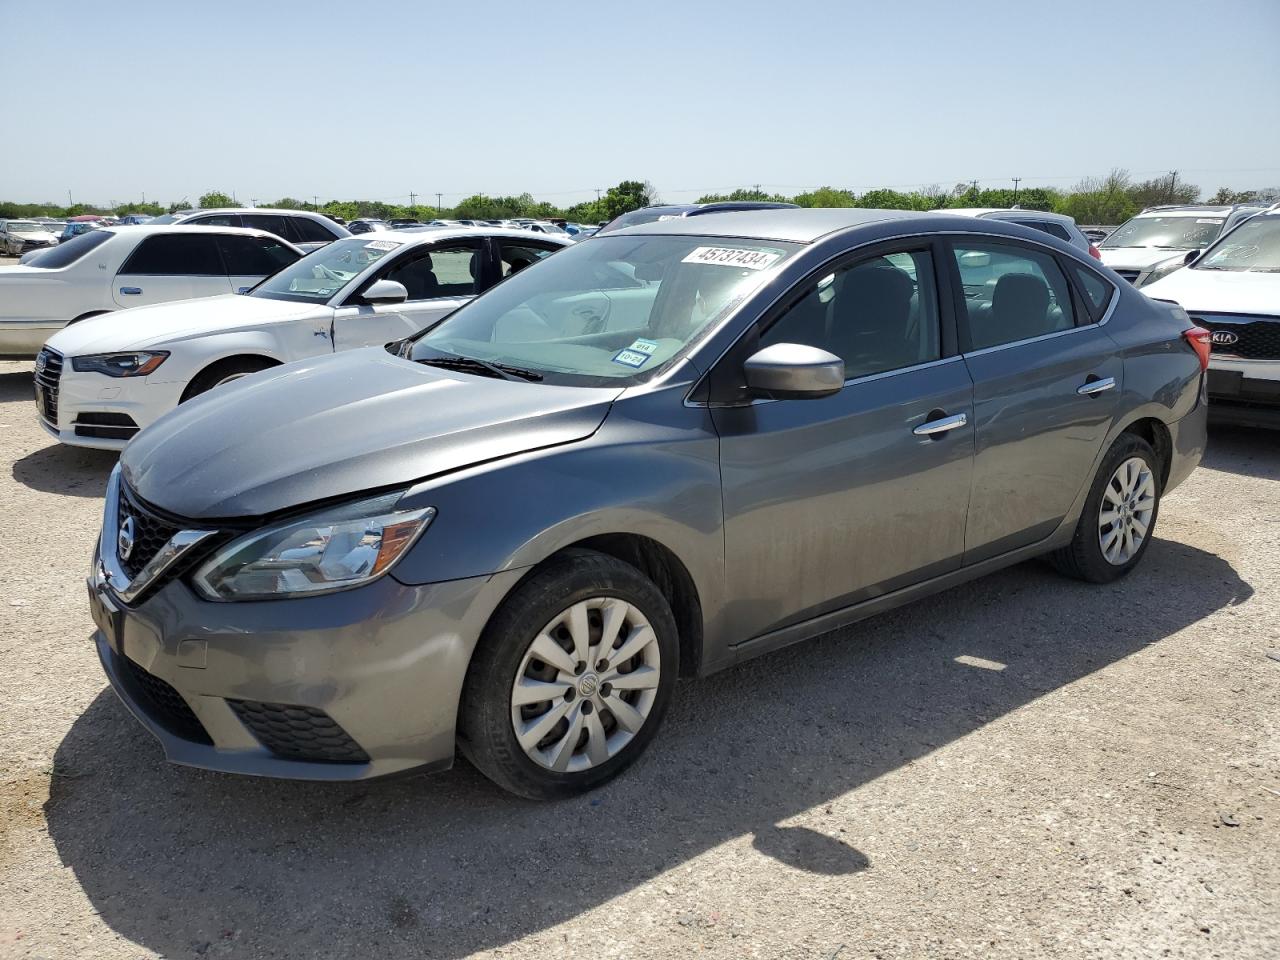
(373, 100)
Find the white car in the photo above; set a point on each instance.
(118, 267)
(1160, 235)
(1055, 224)
(100, 381)
(19, 236)
(306, 230)
(1233, 290)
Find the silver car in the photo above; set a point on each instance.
(656, 454)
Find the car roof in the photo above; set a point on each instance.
(426, 233)
(999, 213)
(274, 210)
(799, 225)
(143, 229)
(1195, 210)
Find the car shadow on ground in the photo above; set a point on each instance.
(17, 386)
(1245, 451)
(75, 471)
(177, 859)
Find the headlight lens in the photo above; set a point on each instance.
(120, 364)
(1162, 269)
(332, 550)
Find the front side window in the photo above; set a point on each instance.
(254, 256)
(176, 255)
(1011, 293)
(557, 321)
(69, 251)
(215, 220)
(1165, 233)
(449, 271)
(1252, 247)
(876, 315)
(319, 275)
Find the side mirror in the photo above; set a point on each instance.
(1191, 256)
(386, 291)
(794, 371)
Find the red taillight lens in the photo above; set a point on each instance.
(1095, 252)
(1201, 341)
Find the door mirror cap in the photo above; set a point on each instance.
(1191, 256)
(794, 371)
(386, 291)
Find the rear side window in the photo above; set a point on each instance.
(1011, 293)
(215, 220)
(272, 223)
(516, 255)
(176, 255)
(309, 231)
(69, 251)
(1046, 226)
(1095, 291)
(254, 256)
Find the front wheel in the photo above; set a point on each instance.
(571, 678)
(1119, 515)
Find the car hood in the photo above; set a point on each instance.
(1219, 291)
(347, 423)
(1136, 258)
(160, 324)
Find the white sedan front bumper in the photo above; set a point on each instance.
(94, 410)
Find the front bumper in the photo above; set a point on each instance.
(346, 686)
(104, 412)
(1244, 392)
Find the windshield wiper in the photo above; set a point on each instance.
(500, 371)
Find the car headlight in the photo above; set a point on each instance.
(334, 549)
(120, 364)
(1161, 270)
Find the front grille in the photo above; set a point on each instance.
(1259, 336)
(162, 703)
(1130, 275)
(105, 426)
(150, 533)
(48, 378)
(298, 733)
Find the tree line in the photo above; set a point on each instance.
(1111, 199)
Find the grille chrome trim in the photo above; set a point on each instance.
(122, 585)
(48, 377)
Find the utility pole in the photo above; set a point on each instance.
(413, 199)
(439, 205)
(975, 187)
(1173, 184)
(253, 201)
(758, 195)
(315, 201)
(1016, 181)
(597, 194)
(69, 203)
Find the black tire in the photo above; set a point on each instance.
(1083, 558)
(216, 373)
(486, 735)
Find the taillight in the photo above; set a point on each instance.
(1095, 252)
(1201, 341)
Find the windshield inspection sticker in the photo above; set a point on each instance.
(631, 358)
(731, 257)
(648, 347)
(1208, 221)
(381, 245)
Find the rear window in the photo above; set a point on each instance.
(69, 251)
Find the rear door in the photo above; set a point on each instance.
(1046, 378)
(439, 279)
(249, 259)
(171, 266)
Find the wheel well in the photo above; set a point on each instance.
(86, 316)
(1156, 434)
(262, 361)
(670, 576)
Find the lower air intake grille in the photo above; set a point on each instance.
(163, 703)
(298, 733)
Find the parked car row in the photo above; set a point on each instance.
(505, 523)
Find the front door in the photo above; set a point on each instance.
(438, 279)
(1045, 389)
(828, 502)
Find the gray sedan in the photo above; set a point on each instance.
(657, 454)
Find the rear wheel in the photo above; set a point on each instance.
(571, 678)
(1119, 515)
(224, 371)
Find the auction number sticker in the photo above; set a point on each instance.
(381, 245)
(732, 257)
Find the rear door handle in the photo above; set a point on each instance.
(932, 427)
(131, 291)
(1096, 386)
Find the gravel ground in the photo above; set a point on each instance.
(1020, 767)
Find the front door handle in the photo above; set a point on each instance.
(1096, 386)
(931, 427)
(131, 291)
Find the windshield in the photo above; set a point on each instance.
(609, 312)
(319, 275)
(25, 226)
(167, 218)
(1166, 233)
(1254, 246)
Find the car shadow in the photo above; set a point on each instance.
(77, 471)
(17, 386)
(177, 860)
(1246, 451)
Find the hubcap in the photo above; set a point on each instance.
(1125, 515)
(586, 685)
